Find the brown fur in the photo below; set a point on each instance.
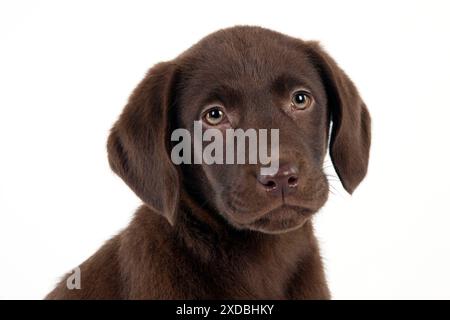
(207, 232)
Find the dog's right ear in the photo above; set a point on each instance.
(138, 142)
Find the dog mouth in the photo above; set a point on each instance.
(281, 219)
(279, 215)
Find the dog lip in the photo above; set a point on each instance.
(299, 209)
(277, 220)
(277, 212)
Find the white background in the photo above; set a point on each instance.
(68, 67)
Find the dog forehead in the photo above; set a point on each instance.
(249, 55)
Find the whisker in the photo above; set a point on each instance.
(331, 191)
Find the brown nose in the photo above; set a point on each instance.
(285, 180)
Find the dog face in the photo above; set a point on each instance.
(244, 78)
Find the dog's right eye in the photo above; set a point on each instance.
(214, 116)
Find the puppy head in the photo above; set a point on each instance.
(244, 78)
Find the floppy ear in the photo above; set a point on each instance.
(350, 135)
(138, 144)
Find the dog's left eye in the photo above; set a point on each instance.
(301, 100)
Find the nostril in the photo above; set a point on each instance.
(292, 181)
(270, 185)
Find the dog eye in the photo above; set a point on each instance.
(301, 100)
(214, 116)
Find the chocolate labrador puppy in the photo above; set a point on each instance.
(226, 231)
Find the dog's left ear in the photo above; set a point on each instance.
(350, 135)
(138, 143)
